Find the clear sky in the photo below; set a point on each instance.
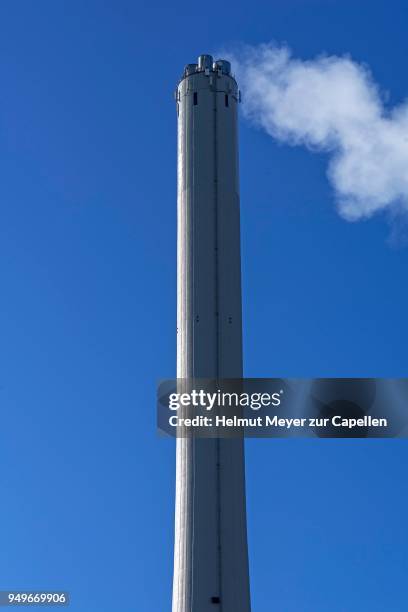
(88, 297)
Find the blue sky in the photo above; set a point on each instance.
(87, 323)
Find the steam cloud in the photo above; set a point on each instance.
(331, 104)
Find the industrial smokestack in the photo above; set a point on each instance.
(210, 557)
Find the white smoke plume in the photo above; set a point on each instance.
(331, 104)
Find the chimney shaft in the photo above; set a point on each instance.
(210, 557)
